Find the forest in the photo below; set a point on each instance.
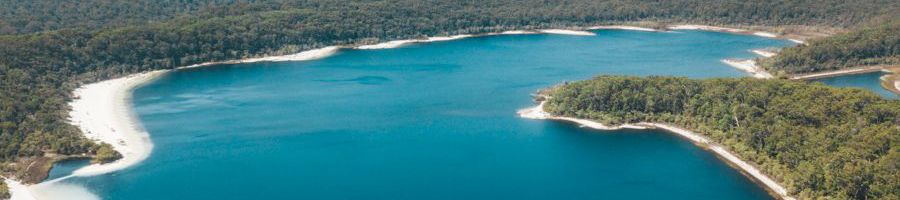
(876, 42)
(50, 47)
(820, 141)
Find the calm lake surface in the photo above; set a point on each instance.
(867, 81)
(425, 121)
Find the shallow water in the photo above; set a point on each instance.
(425, 121)
(867, 81)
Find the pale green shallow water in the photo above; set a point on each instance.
(425, 121)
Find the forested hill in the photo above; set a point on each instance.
(22, 17)
(51, 47)
(818, 141)
(874, 43)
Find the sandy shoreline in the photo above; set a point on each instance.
(833, 73)
(749, 66)
(18, 191)
(764, 53)
(620, 27)
(103, 111)
(538, 112)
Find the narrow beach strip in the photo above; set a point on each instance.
(538, 112)
(723, 29)
(857, 70)
(619, 27)
(567, 32)
(764, 53)
(749, 66)
(399, 43)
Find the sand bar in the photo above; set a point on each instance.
(764, 53)
(858, 70)
(749, 66)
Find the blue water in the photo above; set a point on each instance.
(867, 81)
(425, 121)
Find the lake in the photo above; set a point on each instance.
(425, 121)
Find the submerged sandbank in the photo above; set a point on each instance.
(538, 112)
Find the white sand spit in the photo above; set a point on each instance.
(631, 28)
(764, 53)
(765, 34)
(797, 41)
(567, 32)
(104, 113)
(857, 70)
(399, 43)
(749, 66)
(538, 112)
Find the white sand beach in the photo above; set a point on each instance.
(764, 53)
(538, 112)
(18, 191)
(857, 70)
(749, 66)
(567, 32)
(514, 32)
(304, 55)
(399, 43)
(619, 27)
(722, 29)
(103, 112)
(797, 41)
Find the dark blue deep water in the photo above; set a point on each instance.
(425, 121)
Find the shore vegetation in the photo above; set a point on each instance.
(817, 141)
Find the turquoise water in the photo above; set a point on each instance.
(867, 81)
(425, 121)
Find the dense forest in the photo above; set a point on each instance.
(48, 48)
(874, 43)
(819, 141)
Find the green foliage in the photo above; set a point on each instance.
(819, 141)
(105, 154)
(4, 190)
(874, 44)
